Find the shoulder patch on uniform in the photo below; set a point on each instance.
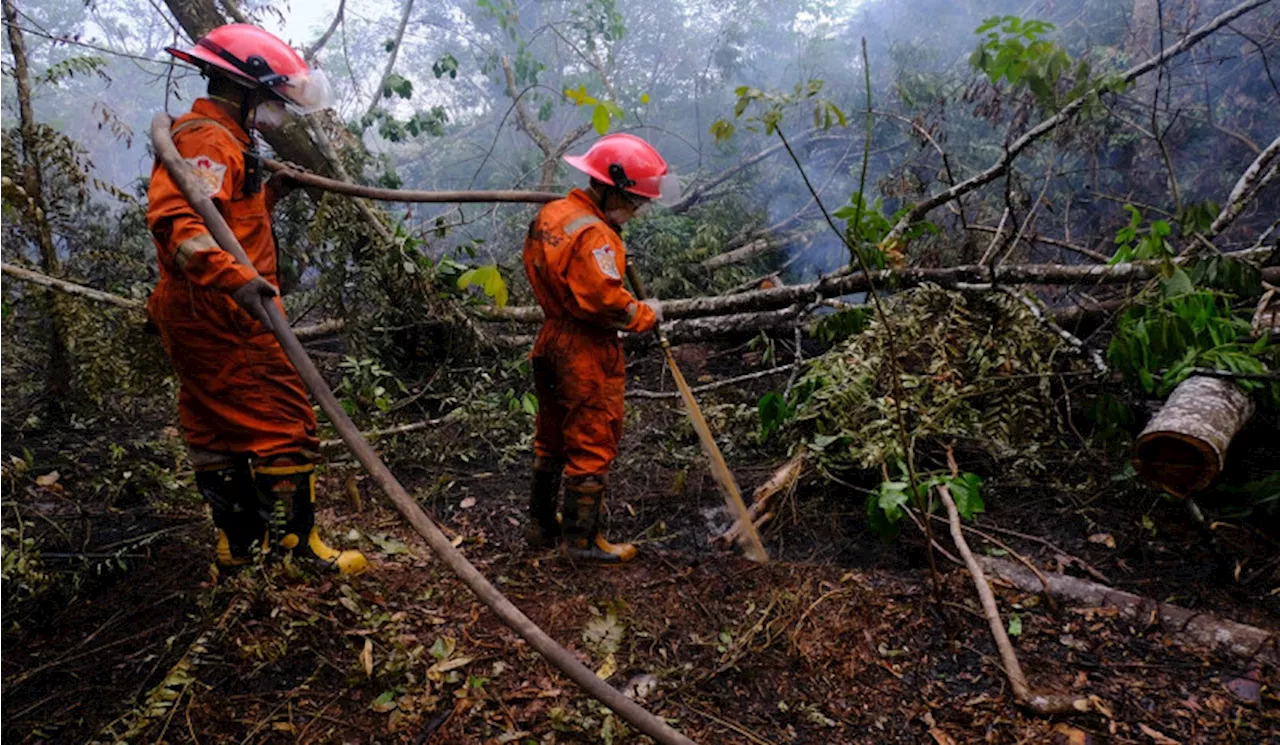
(209, 171)
(607, 260)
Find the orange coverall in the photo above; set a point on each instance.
(575, 263)
(239, 394)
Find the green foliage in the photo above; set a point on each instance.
(844, 323)
(774, 104)
(603, 113)
(446, 65)
(885, 505)
(21, 566)
(505, 12)
(1014, 50)
(364, 385)
(668, 249)
(867, 226)
(73, 66)
(398, 85)
(774, 411)
(598, 23)
(1197, 217)
(430, 122)
(489, 280)
(977, 369)
(1157, 344)
(1135, 243)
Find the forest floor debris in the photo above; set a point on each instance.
(839, 641)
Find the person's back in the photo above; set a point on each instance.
(245, 414)
(575, 261)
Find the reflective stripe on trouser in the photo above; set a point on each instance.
(289, 483)
(579, 378)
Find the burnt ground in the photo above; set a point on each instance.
(839, 640)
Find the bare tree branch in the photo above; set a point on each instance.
(551, 151)
(921, 209)
(1252, 181)
(314, 49)
(391, 61)
(71, 288)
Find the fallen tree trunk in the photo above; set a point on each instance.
(1184, 446)
(71, 288)
(758, 246)
(1195, 629)
(746, 252)
(1266, 319)
(845, 284)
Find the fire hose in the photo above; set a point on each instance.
(557, 655)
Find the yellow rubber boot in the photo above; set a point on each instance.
(290, 487)
(229, 489)
(583, 504)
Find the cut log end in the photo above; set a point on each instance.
(1178, 463)
(1184, 447)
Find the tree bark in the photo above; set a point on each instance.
(845, 284)
(58, 377)
(1194, 628)
(1184, 446)
(71, 288)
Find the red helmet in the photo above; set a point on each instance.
(631, 164)
(258, 59)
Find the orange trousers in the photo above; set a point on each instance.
(579, 376)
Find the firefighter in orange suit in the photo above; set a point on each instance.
(245, 414)
(575, 261)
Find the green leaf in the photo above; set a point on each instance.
(600, 119)
(443, 648)
(722, 130)
(446, 65)
(644, 99)
(966, 490)
(1178, 284)
(1015, 625)
(822, 442)
(891, 497)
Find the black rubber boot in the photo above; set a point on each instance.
(544, 526)
(582, 539)
(289, 489)
(230, 491)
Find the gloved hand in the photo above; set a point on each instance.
(655, 305)
(253, 297)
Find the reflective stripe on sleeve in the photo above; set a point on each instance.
(185, 250)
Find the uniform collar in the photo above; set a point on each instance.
(207, 109)
(581, 198)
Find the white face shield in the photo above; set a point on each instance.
(307, 93)
(668, 190)
(666, 186)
